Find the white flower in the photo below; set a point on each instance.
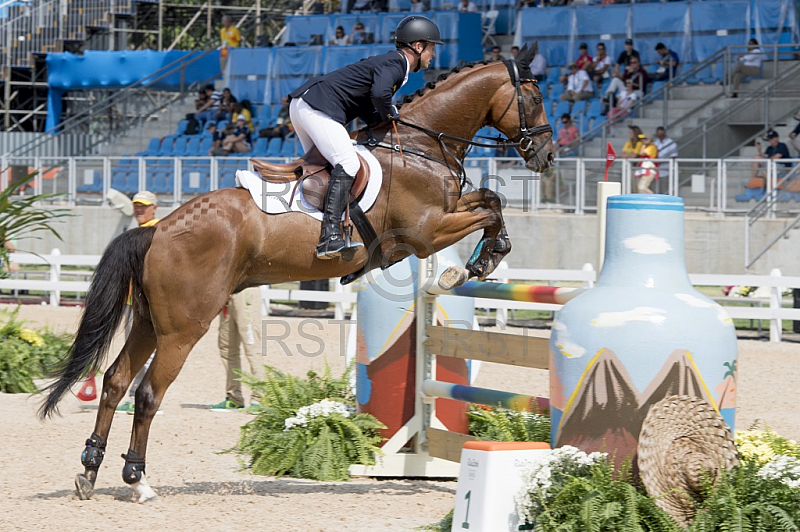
(549, 471)
(324, 408)
(785, 469)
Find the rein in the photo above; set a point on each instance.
(524, 140)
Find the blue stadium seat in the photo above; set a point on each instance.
(193, 145)
(181, 129)
(274, 147)
(556, 91)
(289, 148)
(152, 148)
(561, 108)
(260, 147)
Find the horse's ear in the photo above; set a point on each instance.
(526, 54)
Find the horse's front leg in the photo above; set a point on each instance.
(495, 243)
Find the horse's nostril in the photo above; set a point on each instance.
(550, 157)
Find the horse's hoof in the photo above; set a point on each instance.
(452, 277)
(144, 491)
(83, 487)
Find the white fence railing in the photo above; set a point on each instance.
(771, 309)
(707, 185)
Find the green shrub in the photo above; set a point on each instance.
(502, 424)
(25, 354)
(307, 428)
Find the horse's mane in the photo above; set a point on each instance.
(432, 84)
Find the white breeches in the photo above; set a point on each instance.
(315, 128)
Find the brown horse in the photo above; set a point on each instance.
(183, 270)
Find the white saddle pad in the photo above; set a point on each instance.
(276, 198)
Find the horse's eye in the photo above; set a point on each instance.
(537, 100)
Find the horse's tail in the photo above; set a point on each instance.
(120, 270)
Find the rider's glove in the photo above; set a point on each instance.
(394, 113)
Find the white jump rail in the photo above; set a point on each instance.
(344, 297)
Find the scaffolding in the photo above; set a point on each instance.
(30, 29)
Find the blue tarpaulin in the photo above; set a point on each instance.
(111, 70)
(265, 75)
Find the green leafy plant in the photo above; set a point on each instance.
(502, 424)
(307, 428)
(570, 490)
(25, 354)
(751, 497)
(22, 218)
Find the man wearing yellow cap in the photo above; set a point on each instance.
(145, 204)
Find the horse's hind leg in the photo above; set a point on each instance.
(134, 354)
(170, 356)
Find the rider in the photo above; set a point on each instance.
(322, 107)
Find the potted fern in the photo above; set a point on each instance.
(307, 428)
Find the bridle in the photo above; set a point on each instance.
(525, 140)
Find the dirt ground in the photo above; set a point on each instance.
(201, 489)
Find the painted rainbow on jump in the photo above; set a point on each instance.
(517, 292)
(484, 396)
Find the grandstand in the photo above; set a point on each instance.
(112, 80)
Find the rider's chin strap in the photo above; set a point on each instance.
(418, 54)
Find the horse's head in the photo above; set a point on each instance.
(522, 118)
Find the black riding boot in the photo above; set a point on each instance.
(331, 242)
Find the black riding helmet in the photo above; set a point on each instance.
(416, 28)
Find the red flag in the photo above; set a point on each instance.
(611, 156)
(88, 391)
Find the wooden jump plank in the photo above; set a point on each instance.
(445, 444)
(512, 349)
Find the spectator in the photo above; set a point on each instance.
(578, 85)
(359, 35)
(417, 6)
(514, 52)
(584, 60)
(495, 54)
(202, 98)
(240, 323)
(600, 68)
(208, 112)
(467, 6)
(145, 204)
(568, 132)
(667, 64)
(633, 72)
(230, 37)
(625, 57)
(647, 170)
(216, 139)
(538, 65)
(625, 99)
(240, 110)
(239, 140)
(749, 64)
(631, 149)
(795, 132)
(775, 150)
(667, 148)
(226, 103)
(339, 38)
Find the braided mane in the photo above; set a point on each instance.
(432, 84)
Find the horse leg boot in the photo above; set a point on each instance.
(331, 244)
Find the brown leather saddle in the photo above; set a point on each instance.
(311, 172)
